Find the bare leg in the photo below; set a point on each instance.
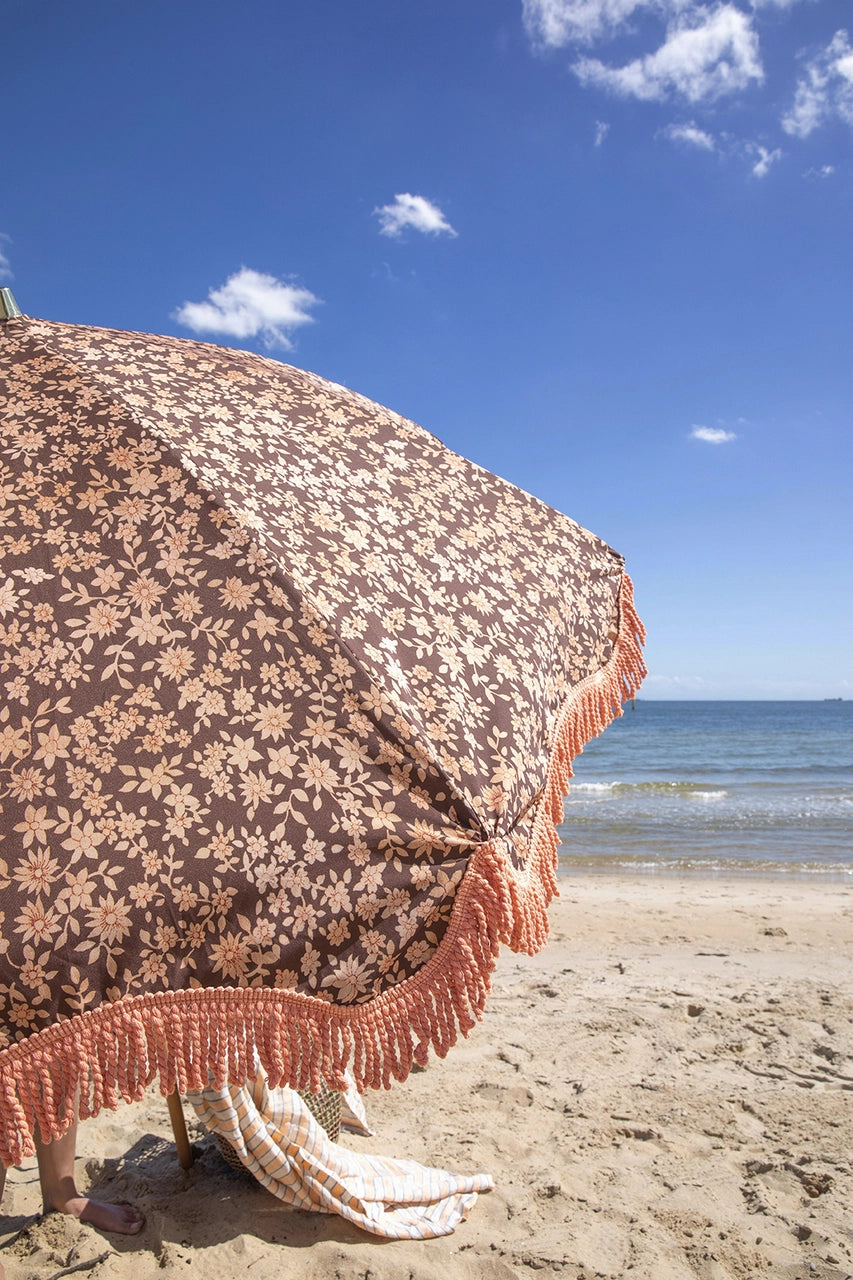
(59, 1191)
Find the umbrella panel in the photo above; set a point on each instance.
(291, 696)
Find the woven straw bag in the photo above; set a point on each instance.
(325, 1108)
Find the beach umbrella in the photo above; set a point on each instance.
(290, 693)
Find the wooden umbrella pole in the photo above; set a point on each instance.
(179, 1129)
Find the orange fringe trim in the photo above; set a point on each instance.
(184, 1038)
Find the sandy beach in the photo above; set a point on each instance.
(666, 1092)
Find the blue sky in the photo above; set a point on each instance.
(561, 234)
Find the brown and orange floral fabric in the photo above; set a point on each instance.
(288, 694)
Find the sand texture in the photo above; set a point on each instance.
(665, 1093)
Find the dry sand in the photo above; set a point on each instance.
(664, 1093)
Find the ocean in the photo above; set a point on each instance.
(721, 787)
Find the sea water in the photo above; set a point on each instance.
(723, 787)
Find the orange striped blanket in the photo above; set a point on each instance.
(277, 1138)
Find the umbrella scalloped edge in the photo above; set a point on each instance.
(187, 1039)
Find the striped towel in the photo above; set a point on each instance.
(279, 1141)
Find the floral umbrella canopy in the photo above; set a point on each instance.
(290, 693)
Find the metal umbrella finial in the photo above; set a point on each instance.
(8, 305)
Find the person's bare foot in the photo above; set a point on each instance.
(60, 1194)
(123, 1219)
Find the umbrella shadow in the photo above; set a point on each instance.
(205, 1206)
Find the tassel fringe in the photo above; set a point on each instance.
(185, 1039)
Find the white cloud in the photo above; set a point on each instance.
(415, 212)
(823, 171)
(765, 159)
(705, 55)
(709, 50)
(690, 134)
(248, 305)
(5, 264)
(825, 90)
(712, 435)
(552, 24)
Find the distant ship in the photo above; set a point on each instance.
(833, 699)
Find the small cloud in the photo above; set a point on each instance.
(5, 264)
(712, 435)
(823, 171)
(251, 304)
(601, 131)
(691, 135)
(552, 24)
(705, 55)
(415, 212)
(765, 159)
(824, 91)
